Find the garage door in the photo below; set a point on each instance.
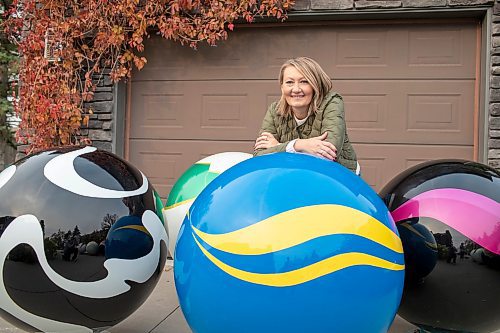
(409, 92)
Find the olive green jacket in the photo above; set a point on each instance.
(329, 118)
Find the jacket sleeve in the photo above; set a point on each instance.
(334, 122)
(269, 126)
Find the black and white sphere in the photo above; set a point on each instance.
(53, 205)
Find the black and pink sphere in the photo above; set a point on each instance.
(81, 242)
(448, 217)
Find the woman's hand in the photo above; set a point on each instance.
(317, 146)
(265, 140)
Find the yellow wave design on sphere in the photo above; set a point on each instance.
(415, 231)
(300, 225)
(135, 227)
(304, 274)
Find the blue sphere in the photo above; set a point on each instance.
(288, 243)
(128, 239)
(420, 248)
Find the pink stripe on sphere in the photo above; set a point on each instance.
(474, 215)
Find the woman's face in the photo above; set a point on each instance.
(297, 91)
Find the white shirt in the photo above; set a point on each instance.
(290, 146)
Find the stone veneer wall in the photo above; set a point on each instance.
(7, 154)
(100, 127)
(494, 109)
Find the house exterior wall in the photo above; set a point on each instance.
(7, 154)
(102, 125)
(493, 145)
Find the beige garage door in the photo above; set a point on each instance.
(409, 93)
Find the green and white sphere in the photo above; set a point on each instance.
(190, 184)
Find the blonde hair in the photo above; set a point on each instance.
(317, 78)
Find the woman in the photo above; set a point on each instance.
(309, 117)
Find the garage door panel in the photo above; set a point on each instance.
(164, 161)
(200, 110)
(381, 162)
(224, 111)
(437, 112)
(361, 48)
(372, 169)
(418, 111)
(441, 111)
(283, 46)
(363, 52)
(159, 107)
(366, 111)
(437, 46)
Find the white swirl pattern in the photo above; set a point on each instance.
(6, 175)
(27, 229)
(61, 172)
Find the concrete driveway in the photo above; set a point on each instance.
(161, 313)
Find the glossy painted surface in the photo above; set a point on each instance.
(190, 184)
(420, 248)
(456, 287)
(81, 244)
(288, 243)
